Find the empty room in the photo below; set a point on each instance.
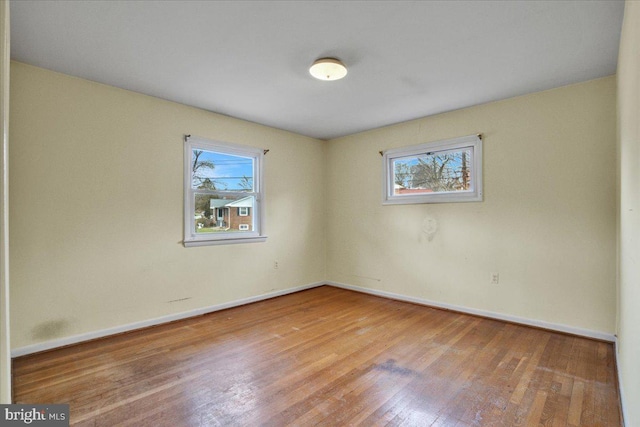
(416, 213)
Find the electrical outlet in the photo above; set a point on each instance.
(495, 278)
(275, 265)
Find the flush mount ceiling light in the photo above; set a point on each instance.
(328, 69)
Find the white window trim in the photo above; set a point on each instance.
(257, 234)
(243, 209)
(243, 225)
(474, 195)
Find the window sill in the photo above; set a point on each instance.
(193, 243)
(448, 198)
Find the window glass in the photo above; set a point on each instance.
(433, 172)
(219, 171)
(223, 193)
(438, 172)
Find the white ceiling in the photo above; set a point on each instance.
(250, 59)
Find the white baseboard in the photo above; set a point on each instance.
(604, 336)
(74, 339)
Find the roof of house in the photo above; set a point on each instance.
(245, 202)
(217, 203)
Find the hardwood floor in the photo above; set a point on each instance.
(333, 357)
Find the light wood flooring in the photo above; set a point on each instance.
(328, 356)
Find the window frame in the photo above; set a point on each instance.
(257, 234)
(473, 142)
(243, 209)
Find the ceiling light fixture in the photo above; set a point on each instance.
(328, 69)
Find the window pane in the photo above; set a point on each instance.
(223, 172)
(218, 214)
(443, 171)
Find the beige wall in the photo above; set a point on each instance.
(96, 209)
(546, 225)
(629, 212)
(5, 345)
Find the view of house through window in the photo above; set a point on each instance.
(214, 177)
(223, 192)
(214, 214)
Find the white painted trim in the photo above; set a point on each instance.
(191, 239)
(474, 142)
(75, 339)
(5, 342)
(620, 388)
(604, 336)
(194, 243)
(48, 345)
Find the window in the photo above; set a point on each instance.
(224, 200)
(437, 172)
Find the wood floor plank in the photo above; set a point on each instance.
(328, 356)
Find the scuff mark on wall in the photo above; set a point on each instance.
(429, 228)
(50, 329)
(361, 277)
(178, 300)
